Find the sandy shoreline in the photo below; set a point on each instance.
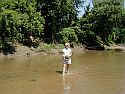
(26, 51)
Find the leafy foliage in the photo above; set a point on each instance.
(67, 35)
(58, 14)
(56, 21)
(101, 20)
(18, 19)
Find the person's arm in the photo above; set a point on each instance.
(63, 54)
(70, 53)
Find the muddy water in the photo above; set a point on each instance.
(92, 72)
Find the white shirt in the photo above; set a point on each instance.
(67, 52)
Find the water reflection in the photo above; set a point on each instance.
(67, 84)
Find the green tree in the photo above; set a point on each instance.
(58, 14)
(102, 19)
(18, 18)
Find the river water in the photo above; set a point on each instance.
(92, 72)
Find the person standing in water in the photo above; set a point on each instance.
(67, 53)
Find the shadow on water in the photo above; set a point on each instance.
(60, 72)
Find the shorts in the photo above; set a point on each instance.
(67, 61)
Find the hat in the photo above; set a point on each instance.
(67, 44)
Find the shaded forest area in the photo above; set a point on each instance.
(31, 22)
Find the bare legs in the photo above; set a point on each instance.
(65, 68)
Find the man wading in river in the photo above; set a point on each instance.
(67, 53)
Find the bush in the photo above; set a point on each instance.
(67, 35)
(19, 20)
(121, 36)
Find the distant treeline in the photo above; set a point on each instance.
(57, 21)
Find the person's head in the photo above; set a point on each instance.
(67, 45)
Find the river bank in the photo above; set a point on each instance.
(52, 49)
(43, 49)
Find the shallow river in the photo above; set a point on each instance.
(92, 72)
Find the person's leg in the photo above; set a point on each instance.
(67, 68)
(68, 64)
(64, 68)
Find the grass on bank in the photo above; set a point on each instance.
(48, 47)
